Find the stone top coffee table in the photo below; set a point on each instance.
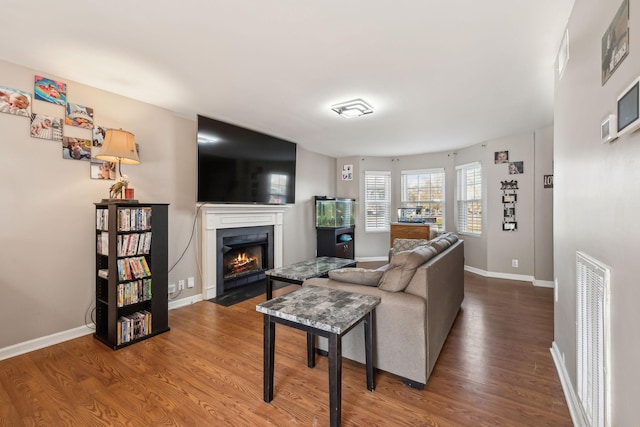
(301, 271)
(324, 312)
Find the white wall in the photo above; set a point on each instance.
(596, 200)
(47, 218)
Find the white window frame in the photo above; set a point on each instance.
(426, 203)
(377, 201)
(469, 192)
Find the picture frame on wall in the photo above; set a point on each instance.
(46, 127)
(48, 90)
(509, 226)
(79, 115)
(615, 42)
(501, 157)
(15, 101)
(509, 198)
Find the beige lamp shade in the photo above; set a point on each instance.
(119, 146)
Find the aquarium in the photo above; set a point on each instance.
(335, 212)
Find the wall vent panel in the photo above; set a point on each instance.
(592, 333)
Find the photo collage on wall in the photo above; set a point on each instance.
(514, 167)
(50, 127)
(509, 193)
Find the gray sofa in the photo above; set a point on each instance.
(413, 319)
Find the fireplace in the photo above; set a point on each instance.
(244, 253)
(217, 219)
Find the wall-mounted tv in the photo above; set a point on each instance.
(238, 165)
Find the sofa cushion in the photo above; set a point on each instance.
(359, 276)
(452, 238)
(403, 266)
(440, 244)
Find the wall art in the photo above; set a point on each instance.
(14, 101)
(46, 127)
(76, 149)
(615, 42)
(102, 170)
(50, 91)
(516, 168)
(501, 157)
(79, 115)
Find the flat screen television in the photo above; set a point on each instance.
(238, 165)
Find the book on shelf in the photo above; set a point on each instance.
(134, 326)
(102, 243)
(102, 219)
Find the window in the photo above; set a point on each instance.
(424, 188)
(377, 200)
(469, 198)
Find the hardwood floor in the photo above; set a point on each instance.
(495, 369)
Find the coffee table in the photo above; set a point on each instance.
(325, 312)
(301, 271)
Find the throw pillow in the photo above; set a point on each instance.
(403, 266)
(359, 276)
(400, 245)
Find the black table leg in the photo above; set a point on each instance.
(368, 345)
(269, 288)
(335, 379)
(269, 353)
(311, 350)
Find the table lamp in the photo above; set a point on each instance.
(119, 146)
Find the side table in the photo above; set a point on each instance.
(325, 312)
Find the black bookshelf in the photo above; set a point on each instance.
(131, 272)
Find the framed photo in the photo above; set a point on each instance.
(509, 198)
(46, 127)
(615, 42)
(347, 172)
(102, 170)
(50, 91)
(14, 101)
(79, 115)
(509, 226)
(509, 212)
(76, 149)
(501, 157)
(516, 168)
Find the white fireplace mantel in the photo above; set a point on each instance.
(214, 217)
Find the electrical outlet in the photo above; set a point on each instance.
(180, 285)
(514, 263)
(191, 282)
(172, 288)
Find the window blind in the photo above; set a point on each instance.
(377, 188)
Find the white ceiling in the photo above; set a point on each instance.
(440, 75)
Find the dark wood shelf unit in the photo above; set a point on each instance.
(107, 313)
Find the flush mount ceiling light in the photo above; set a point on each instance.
(355, 108)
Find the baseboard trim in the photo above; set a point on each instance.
(578, 418)
(42, 342)
(183, 302)
(57, 338)
(544, 283)
(509, 276)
